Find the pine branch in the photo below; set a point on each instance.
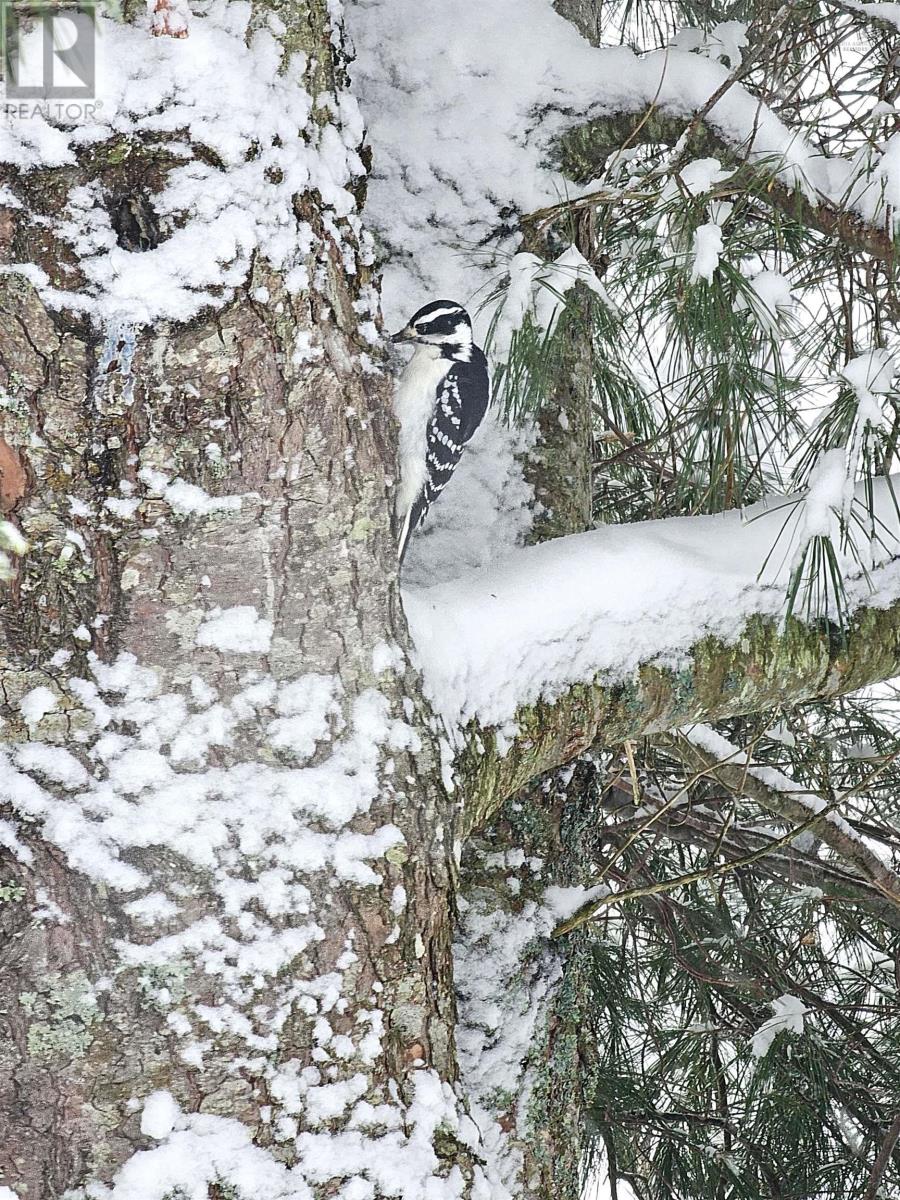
(739, 779)
(786, 865)
(883, 1159)
(712, 871)
(584, 151)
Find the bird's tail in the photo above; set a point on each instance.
(413, 519)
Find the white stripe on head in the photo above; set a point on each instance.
(441, 312)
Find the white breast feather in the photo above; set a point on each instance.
(414, 403)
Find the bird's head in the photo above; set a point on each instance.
(443, 323)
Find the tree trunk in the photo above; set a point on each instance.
(525, 1000)
(225, 859)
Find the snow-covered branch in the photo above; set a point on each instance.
(521, 108)
(637, 629)
(585, 150)
(765, 666)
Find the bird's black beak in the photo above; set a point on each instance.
(405, 335)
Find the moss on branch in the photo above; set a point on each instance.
(767, 666)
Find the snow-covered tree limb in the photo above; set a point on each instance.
(885, 15)
(765, 667)
(633, 630)
(585, 150)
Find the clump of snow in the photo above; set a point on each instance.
(563, 902)
(728, 40)
(788, 1013)
(307, 707)
(699, 176)
(387, 657)
(184, 498)
(769, 300)
(537, 290)
(159, 1115)
(871, 372)
(53, 762)
(826, 495)
(240, 629)
(707, 249)
(152, 908)
(9, 839)
(122, 507)
(871, 376)
(36, 704)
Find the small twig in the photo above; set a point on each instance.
(789, 807)
(632, 771)
(588, 911)
(652, 819)
(881, 1162)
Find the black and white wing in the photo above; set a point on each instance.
(459, 409)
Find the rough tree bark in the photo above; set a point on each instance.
(305, 444)
(261, 963)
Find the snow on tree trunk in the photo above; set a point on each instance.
(525, 1000)
(225, 842)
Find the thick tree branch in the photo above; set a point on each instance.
(559, 467)
(766, 667)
